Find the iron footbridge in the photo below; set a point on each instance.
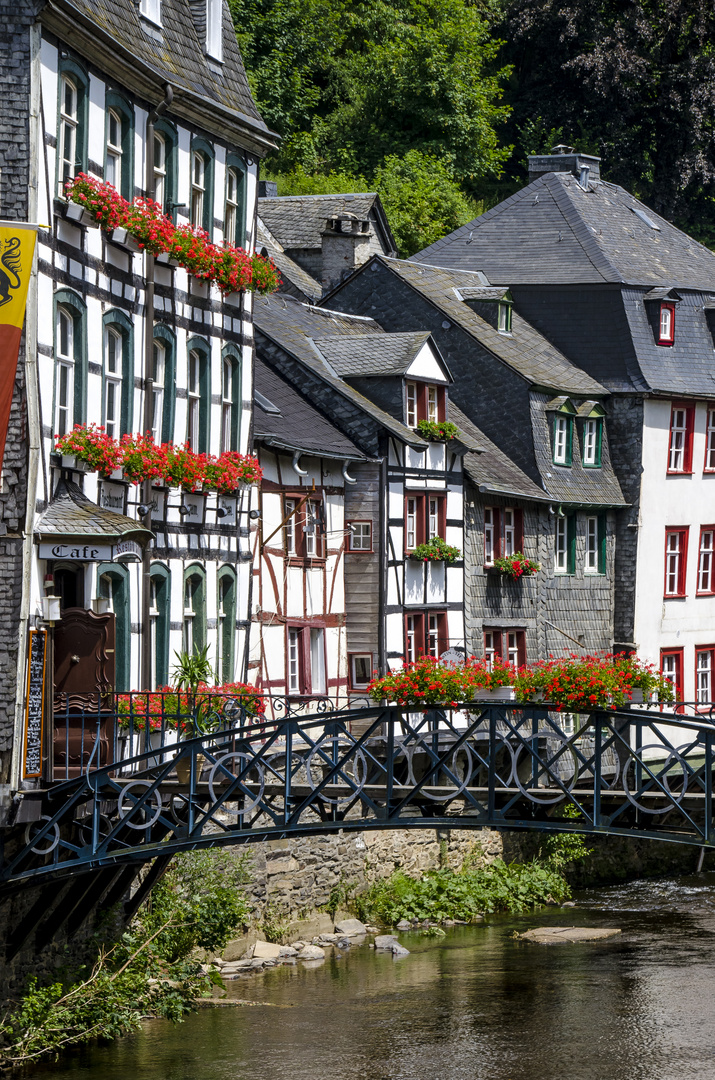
(630, 772)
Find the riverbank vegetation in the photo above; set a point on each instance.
(151, 971)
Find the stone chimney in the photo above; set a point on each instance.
(565, 159)
(267, 189)
(345, 244)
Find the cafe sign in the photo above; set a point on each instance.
(76, 551)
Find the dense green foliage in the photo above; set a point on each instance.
(150, 972)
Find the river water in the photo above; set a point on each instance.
(474, 1005)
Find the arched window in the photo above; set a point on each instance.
(70, 365)
(73, 87)
(226, 608)
(230, 399)
(201, 205)
(234, 218)
(163, 376)
(159, 623)
(118, 375)
(194, 614)
(113, 585)
(118, 154)
(198, 396)
(113, 163)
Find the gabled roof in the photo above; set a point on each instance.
(296, 281)
(489, 468)
(294, 326)
(525, 349)
(71, 514)
(374, 354)
(556, 232)
(298, 221)
(295, 424)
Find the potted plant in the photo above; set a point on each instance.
(642, 682)
(426, 681)
(436, 550)
(516, 566)
(437, 430)
(493, 682)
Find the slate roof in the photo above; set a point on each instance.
(71, 514)
(297, 221)
(553, 231)
(304, 287)
(490, 467)
(295, 326)
(174, 53)
(372, 354)
(297, 425)
(525, 349)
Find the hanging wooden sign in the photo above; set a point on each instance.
(35, 704)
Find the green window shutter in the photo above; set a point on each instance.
(602, 543)
(161, 576)
(571, 541)
(599, 442)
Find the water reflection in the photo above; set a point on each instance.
(478, 1005)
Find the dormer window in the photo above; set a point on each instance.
(424, 401)
(504, 318)
(151, 10)
(214, 29)
(591, 433)
(666, 334)
(562, 412)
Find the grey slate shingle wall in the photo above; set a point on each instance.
(625, 421)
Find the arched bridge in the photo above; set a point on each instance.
(499, 765)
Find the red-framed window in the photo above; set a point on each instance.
(303, 528)
(706, 563)
(680, 447)
(503, 532)
(305, 659)
(709, 465)
(704, 674)
(507, 645)
(424, 401)
(360, 667)
(671, 666)
(425, 634)
(359, 535)
(425, 518)
(676, 555)
(666, 324)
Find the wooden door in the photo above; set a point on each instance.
(84, 675)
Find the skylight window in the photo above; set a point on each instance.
(641, 214)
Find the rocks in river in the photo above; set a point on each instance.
(350, 928)
(399, 950)
(266, 950)
(344, 943)
(326, 939)
(403, 924)
(311, 952)
(567, 935)
(385, 941)
(288, 950)
(569, 903)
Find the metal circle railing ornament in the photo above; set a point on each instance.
(550, 768)
(243, 791)
(86, 830)
(127, 805)
(50, 840)
(353, 770)
(672, 798)
(454, 768)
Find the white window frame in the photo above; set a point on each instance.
(705, 561)
(113, 153)
(318, 675)
(512, 648)
(561, 546)
(214, 29)
(158, 386)
(226, 403)
(509, 531)
(160, 174)
(294, 665)
(669, 669)
(355, 682)
(112, 404)
(590, 441)
(411, 404)
(198, 188)
(433, 507)
(411, 642)
(433, 635)
(432, 405)
(673, 555)
(69, 130)
(151, 10)
(230, 216)
(678, 436)
(290, 525)
(504, 318)
(561, 429)
(591, 558)
(489, 536)
(360, 536)
(193, 396)
(490, 649)
(65, 371)
(154, 614)
(666, 323)
(191, 586)
(411, 523)
(704, 676)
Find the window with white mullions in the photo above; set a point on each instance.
(294, 661)
(359, 535)
(706, 580)
(69, 124)
(590, 442)
(289, 528)
(191, 596)
(704, 676)
(230, 224)
(194, 399)
(561, 546)
(311, 528)
(158, 377)
(509, 532)
(675, 561)
(317, 661)
(411, 394)
(491, 649)
(591, 565)
(112, 381)
(226, 405)
(113, 158)
(198, 188)
(433, 634)
(433, 519)
(561, 439)
(411, 524)
(489, 536)
(512, 649)
(678, 434)
(154, 616)
(710, 441)
(65, 372)
(432, 405)
(411, 639)
(160, 170)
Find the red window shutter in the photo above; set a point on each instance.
(683, 561)
(441, 404)
(442, 633)
(421, 401)
(521, 645)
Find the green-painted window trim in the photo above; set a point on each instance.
(195, 570)
(599, 442)
(164, 334)
(228, 645)
(68, 299)
(602, 543)
(571, 543)
(167, 129)
(68, 66)
(202, 346)
(125, 326)
(232, 352)
(162, 574)
(233, 161)
(119, 104)
(206, 149)
(569, 439)
(123, 626)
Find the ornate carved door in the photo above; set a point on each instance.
(84, 667)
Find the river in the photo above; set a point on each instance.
(475, 1005)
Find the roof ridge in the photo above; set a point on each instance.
(327, 195)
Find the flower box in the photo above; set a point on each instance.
(121, 236)
(501, 693)
(165, 259)
(637, 696)
(69, 461)
(80, 215)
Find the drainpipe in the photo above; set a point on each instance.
(384, 497)
(149, 387)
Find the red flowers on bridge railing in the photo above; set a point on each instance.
(230, 268)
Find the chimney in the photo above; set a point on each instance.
(345, 244)
(565, 159)
(267, 189)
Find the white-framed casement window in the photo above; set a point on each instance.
(432, 405)
(491, 648)
(678, 438)
(590, 442)
(710, 440)
(113, 158)
(592, 546)
(509, 531)
(562, 425)
(289, 506)
(411, 410)
(294, 660)
(433, 635)
(359, 535)
(159, 377)
(159, 169)
(704, 676)
(198, 188)
(561, 552)
(706, 578)
(433, 518)
(360, 670)
(69, 125)
(226, 404)
(410, 639)
(225, 584)
(191, 589)
(318, 683)
(112, 381)
(311, 528)
(675, 554)
(512, 648)
(411, 524)
(65, 371)
(214, 28)
(154, 615)
(151, 9)
(504, 318)
(194, 399)
(666, 327)
(230, 217)
(489, 536)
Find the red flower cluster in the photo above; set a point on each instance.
(166, 707)
(90, 443)
(230, 268)
(517, 565)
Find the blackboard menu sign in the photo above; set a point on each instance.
(35, 707)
